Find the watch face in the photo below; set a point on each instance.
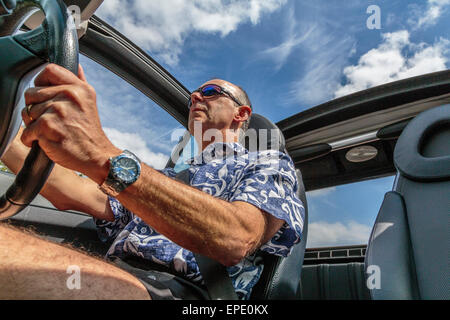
(126, 169)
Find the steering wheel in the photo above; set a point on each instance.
(55, 41)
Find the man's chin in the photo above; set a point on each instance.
(197, 121)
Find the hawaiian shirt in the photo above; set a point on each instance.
(265, 179)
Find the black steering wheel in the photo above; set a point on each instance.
(55, 41)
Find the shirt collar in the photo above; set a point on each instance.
(218, 150)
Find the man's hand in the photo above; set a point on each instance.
(64, 188)
(66, 124)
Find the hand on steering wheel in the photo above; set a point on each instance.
(55, 41)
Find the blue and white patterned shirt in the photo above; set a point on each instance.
(265, 179)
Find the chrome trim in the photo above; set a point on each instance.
(394, 186)
(354, 141)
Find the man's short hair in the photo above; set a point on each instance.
(245, 100)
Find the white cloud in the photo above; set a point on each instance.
(162, 26)
(394, 59)
(135, 143)
(435, 8)
(325, 234)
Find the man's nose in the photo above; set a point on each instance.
(196, 96)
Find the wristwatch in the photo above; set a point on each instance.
(124, 170)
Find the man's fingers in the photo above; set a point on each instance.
(40, 94)
(30, 134)
(43, 129)
(25, 117)
(81, 74)
(34, 111)
(54, 74)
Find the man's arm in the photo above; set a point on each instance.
(225, 231)
(64, 188)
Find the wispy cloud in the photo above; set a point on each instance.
(325, 53)
(293, 36)
(162, 26)
(324, 234)
(394, 59)
(434, 10)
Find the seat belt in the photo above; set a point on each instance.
(217, 281)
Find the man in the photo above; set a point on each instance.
(152, 216)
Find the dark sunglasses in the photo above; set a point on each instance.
(211, 90)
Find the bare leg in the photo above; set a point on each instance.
(33, 268)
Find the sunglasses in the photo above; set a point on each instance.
(211, 90)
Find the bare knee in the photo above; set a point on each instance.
(33, 268)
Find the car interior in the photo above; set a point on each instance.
(405, 124)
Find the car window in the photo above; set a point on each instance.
(344, 215)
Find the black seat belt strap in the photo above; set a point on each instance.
(215, 275)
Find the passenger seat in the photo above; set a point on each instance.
(408, 249)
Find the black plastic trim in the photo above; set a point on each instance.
(392, 131)
(310, 152)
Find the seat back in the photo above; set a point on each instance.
(409, 244)
(281, 275)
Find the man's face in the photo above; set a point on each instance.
(215, 112)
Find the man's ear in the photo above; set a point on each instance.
(243, 113)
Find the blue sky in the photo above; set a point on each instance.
(289, 56)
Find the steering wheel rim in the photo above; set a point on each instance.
(55, 41)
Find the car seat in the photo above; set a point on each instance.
(408, 250)
(281, 275)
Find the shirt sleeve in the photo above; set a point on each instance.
(108, 230)
(270, 183)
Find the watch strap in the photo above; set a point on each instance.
(112, 187)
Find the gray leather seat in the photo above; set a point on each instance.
(409, 244)
(281, 276)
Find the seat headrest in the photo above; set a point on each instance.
(263, 134)
(422, 151)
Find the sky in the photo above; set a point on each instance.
(289, 56)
